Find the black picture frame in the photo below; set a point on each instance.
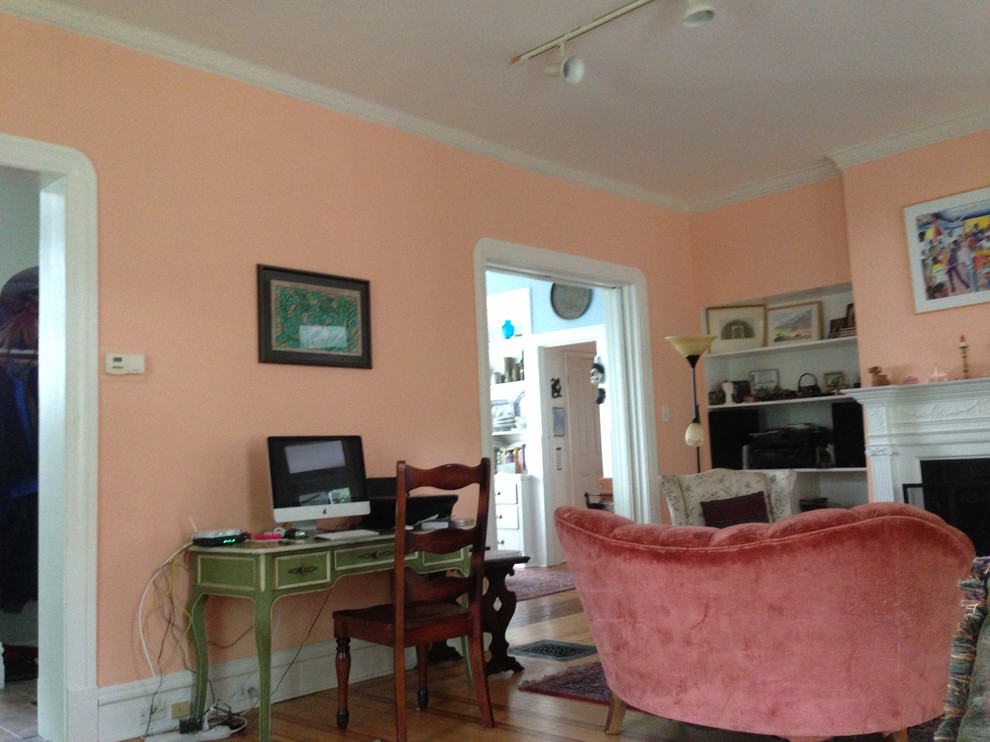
(313, 319)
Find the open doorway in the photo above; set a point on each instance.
(546, 420)
(68, 434)
(623, 342)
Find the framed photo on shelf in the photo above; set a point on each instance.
(836, 326)
(764, 380)
(835, 380)
(737, 328)
(313, 318)
(947, 250)
(794, 323)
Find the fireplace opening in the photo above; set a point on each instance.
(958, 491)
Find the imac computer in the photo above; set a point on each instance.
(316, 477)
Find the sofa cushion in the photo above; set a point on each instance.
(751, 508)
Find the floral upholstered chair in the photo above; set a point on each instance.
(967, 700)
(686, 493)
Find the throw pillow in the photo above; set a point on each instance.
(750, 508)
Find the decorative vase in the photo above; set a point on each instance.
(508, 330)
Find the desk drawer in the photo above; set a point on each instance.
(364, 557)
(301, 569)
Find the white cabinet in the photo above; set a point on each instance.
(513, 498)
(796, 363)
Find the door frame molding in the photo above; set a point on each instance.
(68, 421)
(635, 471)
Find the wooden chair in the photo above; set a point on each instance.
(425, 612)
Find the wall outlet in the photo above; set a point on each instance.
(179, 710)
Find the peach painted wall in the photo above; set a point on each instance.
(200, 179)
(778, 244)
(891, 334)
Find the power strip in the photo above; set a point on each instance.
(218, 732)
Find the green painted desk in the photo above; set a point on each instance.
(264, 571)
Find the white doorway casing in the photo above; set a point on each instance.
(630, 379)
(68, 436)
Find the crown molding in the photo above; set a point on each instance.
(157, 44)
(758, 189)
(898, 143)
(191, 55)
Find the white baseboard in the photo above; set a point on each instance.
(124, 709)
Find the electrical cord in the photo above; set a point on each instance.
(169, 617)
(302, 644)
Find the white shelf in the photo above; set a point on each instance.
(785, 347)
(828, 398)
(513, 431)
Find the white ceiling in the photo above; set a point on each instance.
(770, 94)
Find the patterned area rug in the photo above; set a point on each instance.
(587, 683)
(535, 582)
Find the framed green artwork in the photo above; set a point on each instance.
(313, 318)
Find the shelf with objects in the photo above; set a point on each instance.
(773, 378)
(515, 415)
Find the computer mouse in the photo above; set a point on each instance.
(295, 533)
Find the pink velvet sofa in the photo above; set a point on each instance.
(830, 622)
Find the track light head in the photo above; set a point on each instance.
(697, 13)
(570, 68)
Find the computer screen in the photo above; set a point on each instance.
(315, 477)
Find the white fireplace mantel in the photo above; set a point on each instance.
(907, 424)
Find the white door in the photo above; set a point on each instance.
(584, 430)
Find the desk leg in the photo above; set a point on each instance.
(196, 605)
(497, 619)
(263, 640)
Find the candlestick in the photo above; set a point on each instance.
(964, 349)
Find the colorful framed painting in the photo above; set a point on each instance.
(794, 323)
(737, 328)
(949, 250)
(313, 318)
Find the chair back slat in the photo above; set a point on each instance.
(447, 478)
(440, 590)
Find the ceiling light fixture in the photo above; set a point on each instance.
(697, 13)
(569, 67)
(600, 21)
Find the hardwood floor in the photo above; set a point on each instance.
(453, 714)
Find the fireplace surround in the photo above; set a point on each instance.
(931, 424)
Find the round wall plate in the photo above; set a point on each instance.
(569, 302)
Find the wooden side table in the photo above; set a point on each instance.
(498, 607)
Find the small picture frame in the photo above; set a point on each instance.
(313, 318)
(764, 380)
(794, 323)
(737, 328)
(836, 326)
(559, 422)
(834, 380)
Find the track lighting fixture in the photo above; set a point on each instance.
(570, 68)
(697, 13)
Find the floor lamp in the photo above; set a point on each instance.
(692, 347)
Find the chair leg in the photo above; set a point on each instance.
(343, 662)
(422, 662)
(476, 655)
(616, 712)
(399, 672)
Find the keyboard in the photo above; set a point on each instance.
(346, 535)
